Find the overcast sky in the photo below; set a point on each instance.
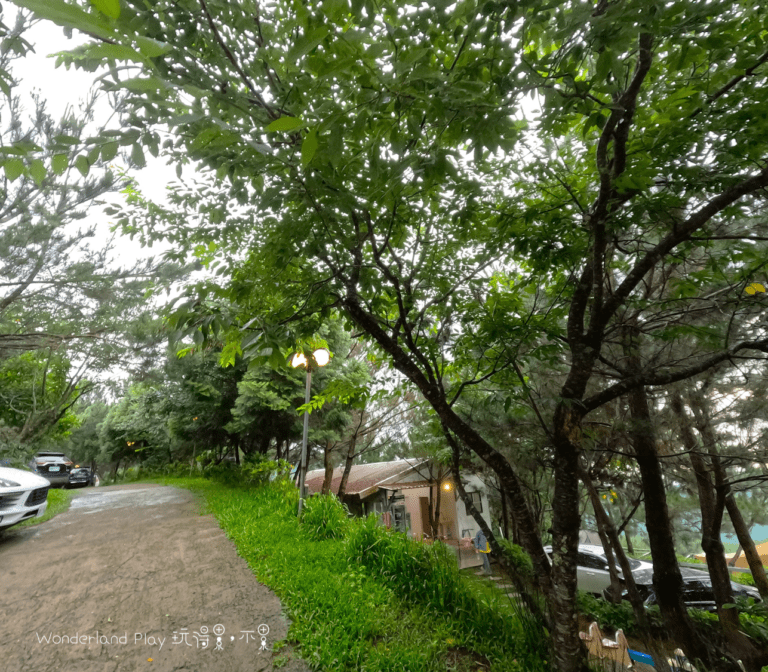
(61, 87)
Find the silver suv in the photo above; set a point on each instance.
(53, 466)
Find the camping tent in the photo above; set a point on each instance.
(762, 551)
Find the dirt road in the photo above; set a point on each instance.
(134, 578)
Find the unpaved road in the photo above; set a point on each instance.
(134, 578)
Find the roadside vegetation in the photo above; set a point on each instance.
(359, 596)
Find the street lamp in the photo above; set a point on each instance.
(319, 357)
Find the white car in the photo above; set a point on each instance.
(592, 574)
(23, 495)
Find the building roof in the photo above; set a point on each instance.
(364, 479)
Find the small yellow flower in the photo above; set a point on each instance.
(449, 642)
(150, 660)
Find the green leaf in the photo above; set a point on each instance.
(309, 147)
(137, 156)
(151, 48)
(285, 124)
(98, 52)
(37, 171)
(13, 168)
(109, 151)
(59, 163)
(81, 163)
(109, 7)
(144, 84)
(603, 65)
(69, 16)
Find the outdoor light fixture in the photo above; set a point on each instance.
(319, 357)
(447, 486)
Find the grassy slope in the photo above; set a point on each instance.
(344, 616)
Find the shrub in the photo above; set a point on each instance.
(428, 575)
(607, 614)
(325, 517)
(743, 578)
(517, 558)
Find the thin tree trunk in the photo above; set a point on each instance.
(612, 545)
(711, 519)
(746, 542)
(348, 461)
(603, 524)
(732, 562)
(667, 580)
(504, 514)
(328, 464)
(522, 587)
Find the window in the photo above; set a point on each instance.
(591, 561)
(477, 500)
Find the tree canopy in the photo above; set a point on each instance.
(481, 189)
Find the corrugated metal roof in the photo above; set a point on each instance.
(409, 485)
(363, 478)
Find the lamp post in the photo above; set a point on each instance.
(320, 357)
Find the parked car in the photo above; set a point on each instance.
(698, 593)
(592, 574)
(53, 466)
(80, 477)
(22, 495)
(592, 577)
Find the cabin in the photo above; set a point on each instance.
(399, 494)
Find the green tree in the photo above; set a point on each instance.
(390, 167)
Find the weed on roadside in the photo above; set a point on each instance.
(347, 613)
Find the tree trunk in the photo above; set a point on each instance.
(711, 519)
(748, 546)
(732, 562)
(630, 548)
(612, 544)
(451, 421)
(348, 461)
(566, 521)
(328, 464)
(746, 542)
(522, 587)
(504, 515)
(667, 580)
(603, 525)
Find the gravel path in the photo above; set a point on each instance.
(134, 578)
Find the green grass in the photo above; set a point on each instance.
(58, 502)
(362, 598)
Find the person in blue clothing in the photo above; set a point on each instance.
(482, 547)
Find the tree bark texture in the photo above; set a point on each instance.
(349, 460)
(710, 520)
(704, 425)
(667, 580)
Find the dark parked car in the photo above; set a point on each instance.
(697, 590)
(80, 477)
(53, 466)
